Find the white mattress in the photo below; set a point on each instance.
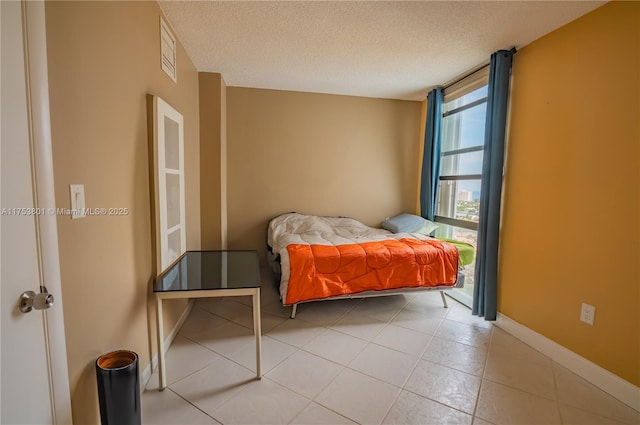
(294, 228)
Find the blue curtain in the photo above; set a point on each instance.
(485, 290)
(431, 155)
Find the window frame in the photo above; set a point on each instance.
(458, 90)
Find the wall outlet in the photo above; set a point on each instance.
(587, 314)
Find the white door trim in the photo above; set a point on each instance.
(34, 27)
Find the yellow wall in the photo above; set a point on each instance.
(317, 154)
(103, 61)
(571, 214)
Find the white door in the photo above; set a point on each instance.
(35, 382)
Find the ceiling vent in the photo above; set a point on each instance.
(168, 51)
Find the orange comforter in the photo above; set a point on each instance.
(320, 271)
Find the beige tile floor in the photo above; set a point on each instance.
(394, 360)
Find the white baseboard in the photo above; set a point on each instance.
(623, 390)
(146, 373)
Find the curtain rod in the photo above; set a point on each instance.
(467, 75)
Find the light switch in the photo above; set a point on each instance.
(77, 201)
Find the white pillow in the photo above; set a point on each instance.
(428, 228)
(404, 223)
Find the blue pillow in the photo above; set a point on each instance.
(404, 223)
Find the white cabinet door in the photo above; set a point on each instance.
(168, 143)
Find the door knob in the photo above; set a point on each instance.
(29, 300)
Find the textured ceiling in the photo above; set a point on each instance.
(387, 49)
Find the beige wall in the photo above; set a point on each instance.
(213, 166)
(571, 227)
(103, 61)
(317, 154)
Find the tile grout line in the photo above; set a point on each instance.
(510, 386)
(251, 328)
(402, 388)
(313, 400)
(298, 414)
(202, 368)
(398, 351)
(438, 402)
(264, 372)
(387, 323)
(482, 378)
(196, 407)
(416, 365)
(221, 355)
(253, 380)
(330, 360)
(555, 386)
(520, 390)
(590, 412)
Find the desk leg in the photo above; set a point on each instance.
(161, 364)
(257, 330)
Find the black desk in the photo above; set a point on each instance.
(205, 274)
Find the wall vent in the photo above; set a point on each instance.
(168, 51)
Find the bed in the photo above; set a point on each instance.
(321, 258)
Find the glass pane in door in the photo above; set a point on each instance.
(465, 294)
(171, 144)
(173, 246)
(173, 199)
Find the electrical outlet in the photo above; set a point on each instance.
(587, 314)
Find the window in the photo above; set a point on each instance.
(463, 122)
(463, 126)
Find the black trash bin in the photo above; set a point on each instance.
(119, 388)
